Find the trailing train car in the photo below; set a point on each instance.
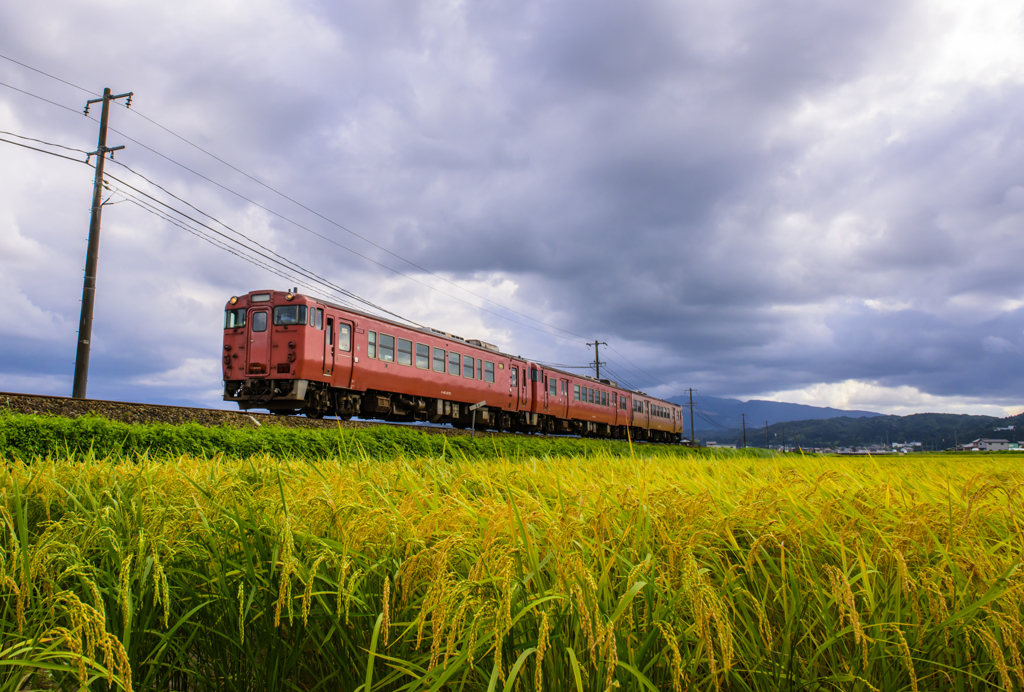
(290, 353)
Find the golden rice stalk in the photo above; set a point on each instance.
(542, 647)
(905, 654)
(995, 651)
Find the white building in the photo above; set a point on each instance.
(988, 445)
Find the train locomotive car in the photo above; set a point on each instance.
(290, 353)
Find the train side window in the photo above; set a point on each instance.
(454, 363)
(622, 403)
(614, 400)
(479, 369)
(488, 371)
(344, 337)
(259, 321)
(576, 392)
(535, 374)
(422, 356)
(404, 352)
(329, 334)
(467, 366)
(591, 397)
(319, 318)
(371, 344)
(553, 387)
(565, 388)
(438, 360)
(604, 398)
(387, 348)
(513, 377)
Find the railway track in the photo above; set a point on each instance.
(129, 412)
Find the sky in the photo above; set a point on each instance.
(816, 202)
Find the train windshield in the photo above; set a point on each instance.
(234, 318)
(285, 315)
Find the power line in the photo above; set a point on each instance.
(305, 207)
(47, 74)
(51, 153)
(636, 367)
(29, 93)
(281, 259)
(40, 141)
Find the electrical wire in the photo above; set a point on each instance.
(652, 379)
(47, 74)
(51, 153)
(213, 241)
(649, 378)
(40, 141)
(29, 93)
(297, 203)
(281, 260)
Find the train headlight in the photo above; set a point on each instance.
(234, 299)
(289, 295)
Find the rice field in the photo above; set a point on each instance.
(585, 572)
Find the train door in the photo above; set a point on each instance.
(546, 399)
(513, 387)
(343, 354)
(563, 401)
(329, 347)
(524, 387)
(258, 353)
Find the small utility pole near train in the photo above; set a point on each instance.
(597, 358)
(93, 253)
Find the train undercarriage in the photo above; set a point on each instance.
(316, 400)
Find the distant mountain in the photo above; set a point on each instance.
(933, 430)
(712, 413)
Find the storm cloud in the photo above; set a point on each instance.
(742, 197)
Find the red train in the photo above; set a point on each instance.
(290, 353)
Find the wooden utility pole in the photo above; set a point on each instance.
(597, 358)
(693, 430)
(93, 253)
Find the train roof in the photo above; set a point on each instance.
(476, 343)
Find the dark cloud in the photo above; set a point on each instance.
(745, 197)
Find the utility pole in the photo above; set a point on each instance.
(93, 253)
(743, 417)
(597, 358)
(693, 430)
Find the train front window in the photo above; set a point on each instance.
(259, 321)
(234, 318)
(289, 315)
(387, 348)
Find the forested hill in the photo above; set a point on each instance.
(715, 413)
(933, 430)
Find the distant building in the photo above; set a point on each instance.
(987, 445)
